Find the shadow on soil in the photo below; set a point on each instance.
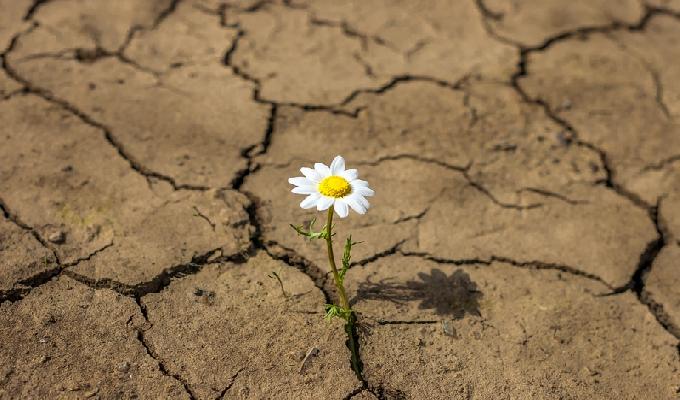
(452, 296)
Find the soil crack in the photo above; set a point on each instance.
(160, 281)
(232, 380)
(531, 264)
(29, 88)
(350, 32)
(149, 350)
(13, 218)
(30, 13)
(639, 279)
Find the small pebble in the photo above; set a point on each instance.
(449, 329)
(56, 237)
(124, 366)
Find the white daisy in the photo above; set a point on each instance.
(332, 186)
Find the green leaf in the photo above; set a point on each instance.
(309, 233)
(333, 311)
(275, 275)
(346, 257)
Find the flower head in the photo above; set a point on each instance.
(332, 186)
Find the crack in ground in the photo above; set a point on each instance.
(532, 264)
(398, 79)
(291, 258)
(482, 189)
(160, 281)
(609, 180)
(29, 88)
(353, 393)
(659, 91)
(30, 13)
(407, 322)
(156, 285)
(654, 74)
(637, 282)
(108, 135)
(384, 393)
(13, 218)
(392, 250)
(587, 30)
(476, 185)
(417, 216)
(204, 217)
(87, 55)
(548, 193)
(414, 157)
(319, 278)
(91, 55)
(522, 71)
(228, 62)
(322, 282)
(172, 7)
(87, 257)
(161, 365)
(249, 153)
(337, 109)
(281, 253)
(662, 164)
(147, 173)
(650, 11)
(27, 285)
(41, 278)
(232, 380)
(350, 32)
(486, 14)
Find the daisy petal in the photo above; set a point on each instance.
(363, 190)
(309, 201)
(304, 189)
(300, 181)
(338, 165)
(349, 174)
(322, 170)
(359, 182)
(353, 202)
(311, 174)
(324, 202)
(341, 208)
(362, 200)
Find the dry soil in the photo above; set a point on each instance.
(523, 243)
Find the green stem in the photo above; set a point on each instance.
(331, 260)
(351, 318)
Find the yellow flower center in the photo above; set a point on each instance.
(334, 186)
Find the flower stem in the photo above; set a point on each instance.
(350, 322)
(331, 260)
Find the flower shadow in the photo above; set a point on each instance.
(452, 296)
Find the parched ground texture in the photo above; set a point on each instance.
(523, 243)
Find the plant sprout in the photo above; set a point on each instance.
(336, 190)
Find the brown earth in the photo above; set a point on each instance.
(523, 241)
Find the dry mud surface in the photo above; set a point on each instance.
(523, 243)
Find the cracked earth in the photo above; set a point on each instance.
(524, 240)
